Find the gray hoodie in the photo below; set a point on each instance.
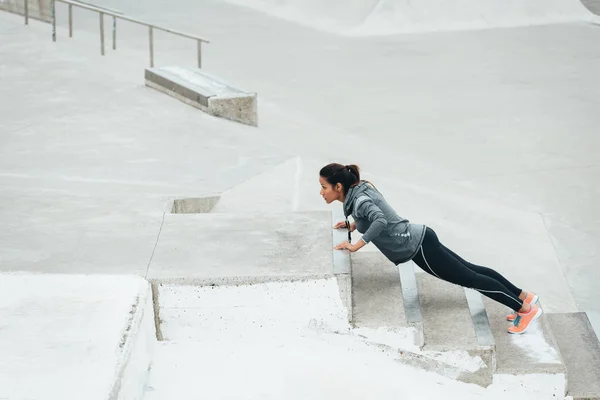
(395, 237)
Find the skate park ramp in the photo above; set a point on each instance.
(385, 17)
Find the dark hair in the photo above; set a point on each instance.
(347, 175)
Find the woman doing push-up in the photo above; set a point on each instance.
(401, 241)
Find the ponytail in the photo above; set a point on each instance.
(347, 175)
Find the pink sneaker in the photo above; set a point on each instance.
(530, 299)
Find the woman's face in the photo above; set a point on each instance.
(328, 192)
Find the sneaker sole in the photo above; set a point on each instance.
(539, 314)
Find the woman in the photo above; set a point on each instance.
(401, 241)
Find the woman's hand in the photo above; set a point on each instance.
(342, 224)
(345, 245)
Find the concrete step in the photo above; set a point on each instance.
(448, 326)
(211, 248)
(523, 357)
(580, 351)
(376, 291)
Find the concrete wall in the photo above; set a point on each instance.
(38, 9)
(592, 5)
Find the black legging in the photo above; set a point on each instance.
(436, 259)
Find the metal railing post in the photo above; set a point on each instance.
(53, 12)
(114, 33)
(115, 15)
(151, 39)
(199, 53)
(70, 20)
(101, 33)
(26, 12)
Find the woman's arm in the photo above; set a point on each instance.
(367, 209)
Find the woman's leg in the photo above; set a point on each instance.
(433, 259)
(485, 271)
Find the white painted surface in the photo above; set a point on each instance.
(138, 352)
(235, 312)
(535, 346)
(64, 336)
(387, 17)
(291, 341)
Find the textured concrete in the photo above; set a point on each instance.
(481, 323)
(212, 248)
(531, 353)
(592, 5)
(73, 336)
(206, 92)
(448, 326)
(38, 9)
(447, 323)
(376, 291)
(194, 205)
(410, 293)
(580, 351)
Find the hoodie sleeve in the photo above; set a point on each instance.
(368, 210)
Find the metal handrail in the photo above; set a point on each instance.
(115, 14)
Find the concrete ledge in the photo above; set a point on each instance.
(410, 293)
(410, 301)
(203, 91)
(138, 347)
(580, 351)
(377, 292)
(481, 323)
(74, 336)
(342, 267)
(196, 205)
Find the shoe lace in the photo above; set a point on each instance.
(517, 320)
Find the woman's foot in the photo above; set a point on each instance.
(524, 320)
(530, 298)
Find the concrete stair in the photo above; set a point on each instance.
(560, 354)
(433, 325)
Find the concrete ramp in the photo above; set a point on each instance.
(387, 17)
(74, 336)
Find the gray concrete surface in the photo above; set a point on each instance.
(580, 350)
(410, 294)
(447, 323)
(377, 292)
(481, 322)
(497, 151)
(592, 5)
(448, 326)
(207, 248)
(531, 353)
(206, 92)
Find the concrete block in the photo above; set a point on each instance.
(239, 248)
(410, 293)
(376, 290)
(206, 92)
(448, 326)
(345, 288)
(194, 205)
(481, 323)
(342, 266)
(580, 352)
(534, 352)
(524, 358)
(447, 323)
